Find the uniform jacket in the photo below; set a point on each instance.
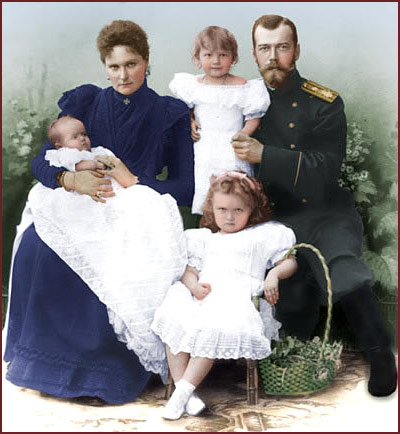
(304, 138)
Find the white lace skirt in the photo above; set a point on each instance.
(216, 327)
(129, 251)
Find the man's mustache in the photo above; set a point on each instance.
(269, 67)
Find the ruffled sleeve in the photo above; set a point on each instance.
(257, 99)
(183, 86)
(66, 157)
(196, 240)
(273, 241)
(75, 102)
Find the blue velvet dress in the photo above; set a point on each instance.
(59, 339)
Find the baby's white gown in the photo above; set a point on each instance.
(225, 324)
(221, 112)
(129, 251)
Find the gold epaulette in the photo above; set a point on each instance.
(319, 91)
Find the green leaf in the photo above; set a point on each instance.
(388, 224)
(380, 268)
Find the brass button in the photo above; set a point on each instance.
(292, 146)
(304, 200)
(291, 125)
(294, 104)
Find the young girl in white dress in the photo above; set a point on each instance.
(129, 249)
(209, 314)
(222, 105)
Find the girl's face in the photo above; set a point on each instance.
(125, 69)
(216, 63)
(231, 213)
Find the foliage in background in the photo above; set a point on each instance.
(375, 193)
(23, 134)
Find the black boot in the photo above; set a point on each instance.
(369, 327)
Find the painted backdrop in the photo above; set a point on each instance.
(349, 47)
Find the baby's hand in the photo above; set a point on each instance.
(202, 290)
(88, 165)
(271, 291)
(195, 126)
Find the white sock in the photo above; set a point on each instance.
(194, 405)
(176, 404)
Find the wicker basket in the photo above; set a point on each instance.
(301, 375)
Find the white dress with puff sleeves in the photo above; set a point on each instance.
(221, 111)
(225, 324)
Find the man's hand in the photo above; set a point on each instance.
(246, 148)
(202, 290)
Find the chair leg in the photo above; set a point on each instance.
(168, 387)
(252, 382)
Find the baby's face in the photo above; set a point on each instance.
(73, 135)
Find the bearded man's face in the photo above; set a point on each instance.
(275, 54)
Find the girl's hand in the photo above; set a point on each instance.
(271, 285)
(202, 290)
(117, 169)
(89, 182)
(195, 126)
(89, 165)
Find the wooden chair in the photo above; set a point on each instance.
(251, 376)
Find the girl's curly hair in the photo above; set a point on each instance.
(122, 32)
(248, 188)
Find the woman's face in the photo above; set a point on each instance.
(125, 69)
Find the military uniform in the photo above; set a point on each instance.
(304, 138)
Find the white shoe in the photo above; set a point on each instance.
(176, 404)
(195, 405)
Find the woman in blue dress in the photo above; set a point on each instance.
(59, 339)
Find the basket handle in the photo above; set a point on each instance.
(292, 251)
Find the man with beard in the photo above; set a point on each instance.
(300, 146)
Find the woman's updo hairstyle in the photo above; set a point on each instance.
(121, 32)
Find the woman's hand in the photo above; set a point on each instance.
(117, 169)
(271, 288)
(201, 291)
(195, 127)
(89, 182)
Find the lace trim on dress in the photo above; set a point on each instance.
(121, 276)
(252, 97)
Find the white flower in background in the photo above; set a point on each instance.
(23, 150)
(26, 139)
(21, 125)
(15, 142)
